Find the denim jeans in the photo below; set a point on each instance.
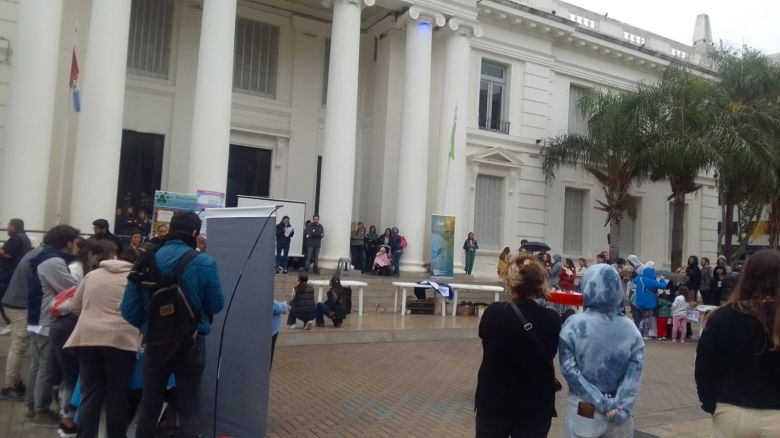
(312, 257)
(646, 323)
(322, 310)
(39, 382)
(358, 255)
(68, 363)
(105, 379)
(282, 254)
(187, 368)
(397, 262)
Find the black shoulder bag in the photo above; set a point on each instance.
(529, 328)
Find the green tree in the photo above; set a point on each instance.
(678, 148)
(746, 108)
(611, 152)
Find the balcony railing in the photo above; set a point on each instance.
(495, 125)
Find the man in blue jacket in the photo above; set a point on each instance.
(200, 281)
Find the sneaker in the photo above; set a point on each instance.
(284, 271)
(11, 394)
(48, 419)
(66, 431)
(291, 326)
(20, 387)
(6, 330)
(308, 325)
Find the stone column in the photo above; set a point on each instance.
(24, 159)
(338, 153)
(451, 190)
(210, 141)
(99, 135)
(413, 161)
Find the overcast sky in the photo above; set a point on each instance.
(754, 22)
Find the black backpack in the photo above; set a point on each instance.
(173, 324)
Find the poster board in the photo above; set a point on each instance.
(234, 391)
(295, 209)
(442, 245)
(168, 203)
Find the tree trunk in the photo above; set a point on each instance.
(614, 240)
(728, 235)
(678, 231)
(773, 224)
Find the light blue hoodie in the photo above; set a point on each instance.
(601, 351)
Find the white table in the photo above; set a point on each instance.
(497, 290)
(321, 284)
(403, 286)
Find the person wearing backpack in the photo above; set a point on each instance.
(174, 307)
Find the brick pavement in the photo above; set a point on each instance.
(421, 389)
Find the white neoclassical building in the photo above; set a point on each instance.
(380, 111)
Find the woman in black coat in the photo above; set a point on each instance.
(516, 381)
(712, 296)
(738, 355)
(693, 274)
(302, 305)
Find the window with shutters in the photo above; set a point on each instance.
(489, 211)
(256, 57)
(577, 123)
(149, 41)
(573, 220)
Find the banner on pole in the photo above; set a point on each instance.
(442, 245)
(167, 203)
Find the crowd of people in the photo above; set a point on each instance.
(81, 306)
(370, 253)
(601, 352)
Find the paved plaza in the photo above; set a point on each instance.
(415, 388)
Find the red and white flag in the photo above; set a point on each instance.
(74, 82)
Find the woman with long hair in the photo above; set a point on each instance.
(738, 355)
(516, 381)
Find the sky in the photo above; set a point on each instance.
(752, 22)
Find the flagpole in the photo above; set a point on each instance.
(66, 138)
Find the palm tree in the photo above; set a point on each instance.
(746, 107)
(611, 152)
(677, 146)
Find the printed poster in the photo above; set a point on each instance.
(442, 245)
(167, 203)
(208, 199)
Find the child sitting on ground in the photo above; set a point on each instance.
(382, 263)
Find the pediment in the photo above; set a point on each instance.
(496, 156)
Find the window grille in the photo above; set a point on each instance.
(149, 42)
(256, 57)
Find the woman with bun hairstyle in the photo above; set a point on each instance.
(516, 381)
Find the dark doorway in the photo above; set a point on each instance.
(317, 189)
(140, 170)
(249, 173)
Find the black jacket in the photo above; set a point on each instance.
(693, 273)
(713, 296)
(734, 363)
(337, 302)
(280, 237)
(303, 303)
(314, 235)
(516, 379)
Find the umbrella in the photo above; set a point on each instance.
(535, 247)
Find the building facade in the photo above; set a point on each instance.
(380, 111)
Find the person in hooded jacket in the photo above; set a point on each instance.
(555, 270)
(601, 355)
(647, 286)
(302, 304)
(693, 274)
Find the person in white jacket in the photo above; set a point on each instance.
(680, 308)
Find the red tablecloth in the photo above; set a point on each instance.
(566, 298)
